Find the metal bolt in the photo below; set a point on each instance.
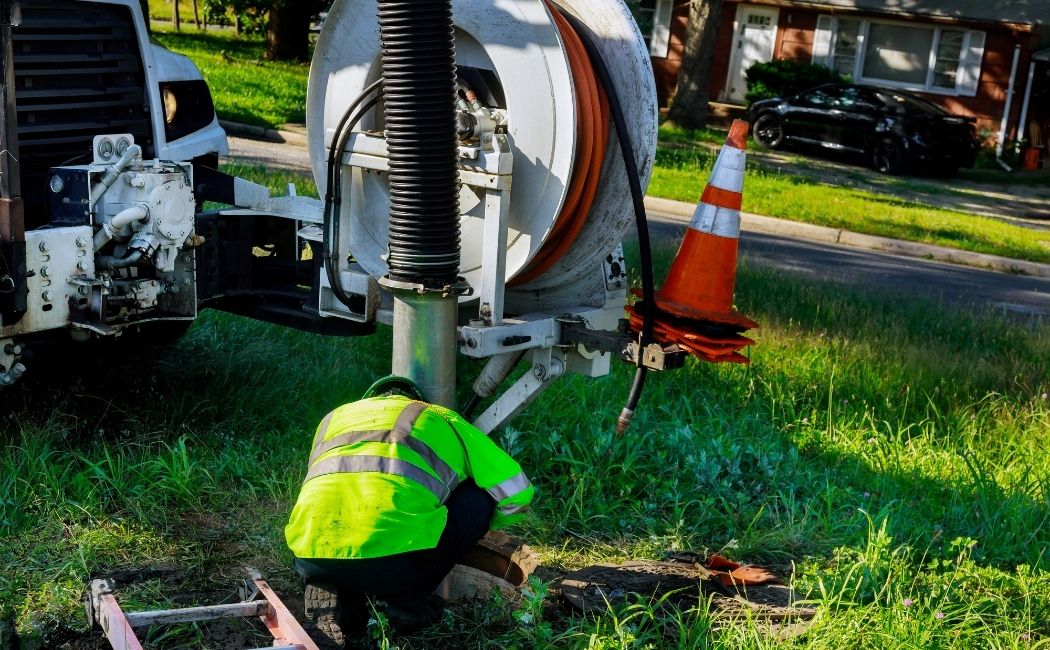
(82, 265)
(80, 242)
(540, 371)
(13, 349)
(44, 271)
(43, 247)
(472, 343)
(47, 296)
(84, 291)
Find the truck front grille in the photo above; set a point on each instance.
(78, 73)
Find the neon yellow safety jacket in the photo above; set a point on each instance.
(381, 470)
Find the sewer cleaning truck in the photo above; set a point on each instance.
(478, 172)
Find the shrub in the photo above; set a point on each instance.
(785, 77)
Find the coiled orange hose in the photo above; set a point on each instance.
(592, 117)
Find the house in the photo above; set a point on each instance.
(985, 59)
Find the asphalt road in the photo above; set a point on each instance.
(892, 274)
(883, 272)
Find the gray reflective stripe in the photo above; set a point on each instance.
(512, 509)
(348, 438)
(401, 433)
(510, 487)
(380, 464)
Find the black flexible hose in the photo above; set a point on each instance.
(333, 193)
(623, 136)
(419, 79)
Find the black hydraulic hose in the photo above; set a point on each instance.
(419, 79)
(623, 136)
(334, 191)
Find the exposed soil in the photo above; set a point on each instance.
(685, 586)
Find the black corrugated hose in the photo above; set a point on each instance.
(419, 80)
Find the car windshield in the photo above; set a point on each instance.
(910, 103)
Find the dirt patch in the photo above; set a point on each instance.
(684, 586)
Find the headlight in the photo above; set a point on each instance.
(188, 107)
(171, 105)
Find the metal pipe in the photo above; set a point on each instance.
(109, 230)
(419, 81)
(425, 344)
(191, 614)
(1006, 111)
(1023, 123)
(113, 172)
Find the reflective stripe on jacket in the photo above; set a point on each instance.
(381, 470)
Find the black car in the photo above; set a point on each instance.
(895, 130)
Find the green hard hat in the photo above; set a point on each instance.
(394, 384)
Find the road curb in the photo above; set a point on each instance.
(291, 134)
(797, 230)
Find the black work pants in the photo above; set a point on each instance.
(411, 576)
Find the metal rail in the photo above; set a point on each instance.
(118, 626)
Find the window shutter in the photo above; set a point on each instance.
(822, 38)
(660, 43)
(970, 65)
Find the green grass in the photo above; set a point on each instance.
(245, 88)
(681, 172)
(892, 453)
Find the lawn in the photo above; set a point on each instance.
(891, 455)
(245, 88)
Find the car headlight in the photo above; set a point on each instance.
(188, 107)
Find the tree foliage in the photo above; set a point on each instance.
(286, 23)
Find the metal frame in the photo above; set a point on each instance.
(104, 612)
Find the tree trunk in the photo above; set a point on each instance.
(288, 33)
(175, 21)
(689, 107)
(196, 15)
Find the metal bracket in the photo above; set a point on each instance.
(547, 365)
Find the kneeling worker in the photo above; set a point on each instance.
(396, 493)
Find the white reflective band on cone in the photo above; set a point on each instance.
(713, 220)
(728, 173)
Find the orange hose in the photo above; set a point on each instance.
(592, 117)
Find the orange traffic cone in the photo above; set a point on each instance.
(695, 306)
(702, 278)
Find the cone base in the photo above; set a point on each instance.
(692, 313)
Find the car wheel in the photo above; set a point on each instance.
(769, 131)
(888, 156)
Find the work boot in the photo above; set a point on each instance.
(323, 624)
(408, 615)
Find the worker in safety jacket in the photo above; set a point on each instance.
(396, 493)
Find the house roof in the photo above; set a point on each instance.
(1024, 12)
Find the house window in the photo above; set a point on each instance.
(654, 21)
(845, 52)
(902, 55)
